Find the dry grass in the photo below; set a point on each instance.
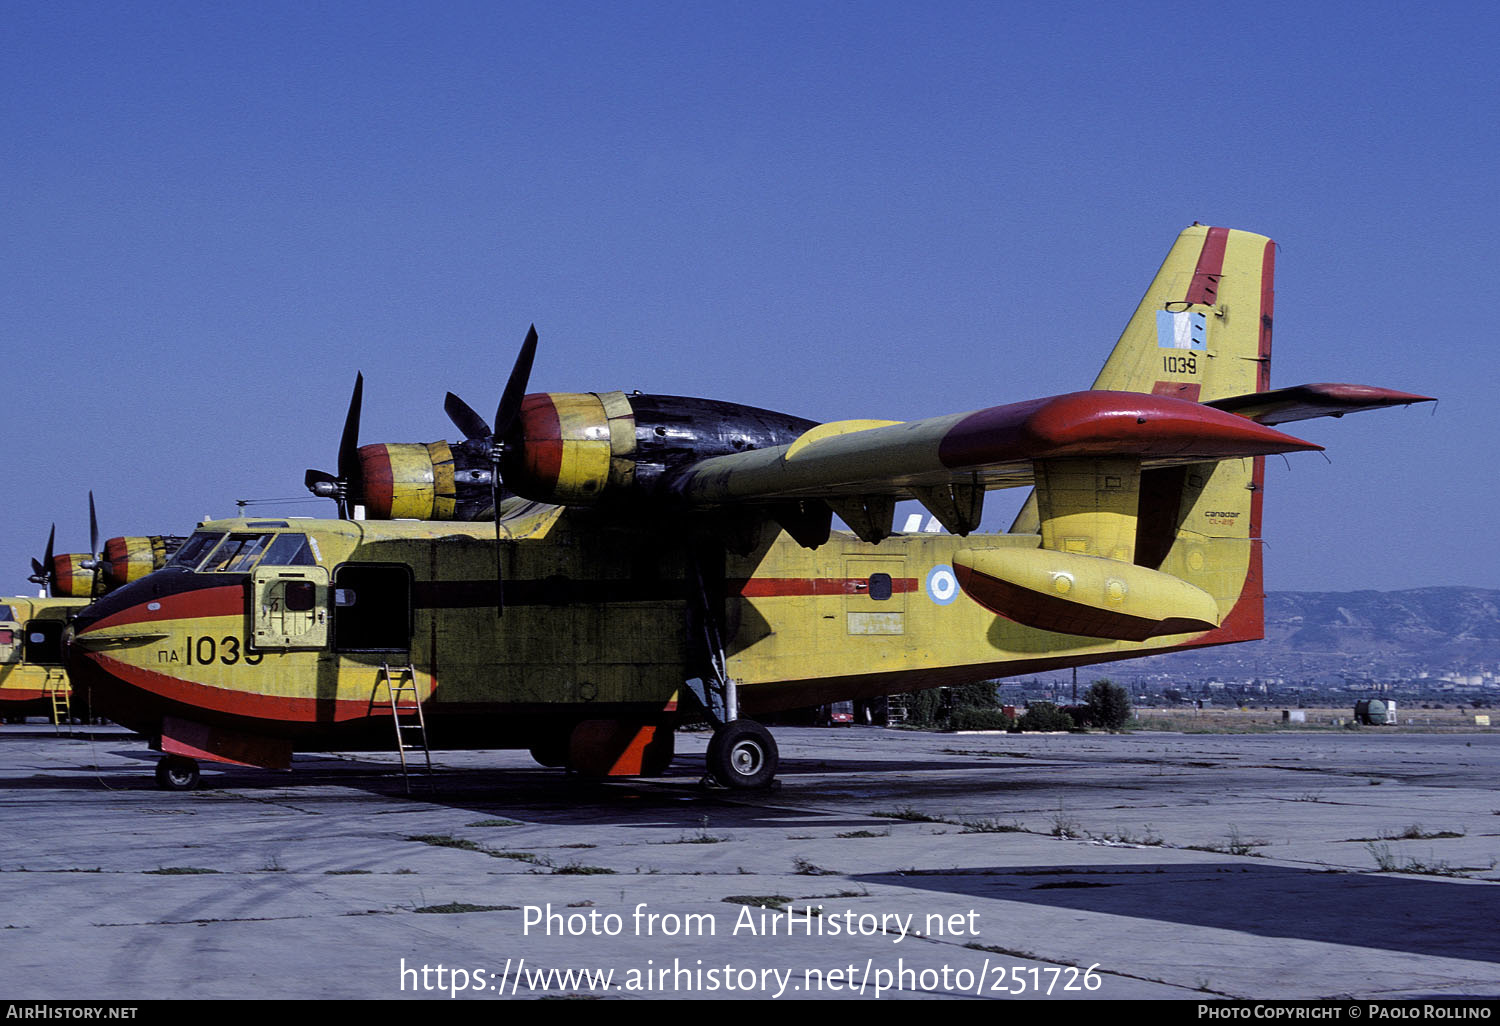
(1256, 718)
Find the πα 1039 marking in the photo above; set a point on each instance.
(1185, 363)
(228, 650)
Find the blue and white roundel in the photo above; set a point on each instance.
(942, 586)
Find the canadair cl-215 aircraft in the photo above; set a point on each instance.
(32, 678)
(657, 560)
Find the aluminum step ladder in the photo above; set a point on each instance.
(406, 714)
(60, 694)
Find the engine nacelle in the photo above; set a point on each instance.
(131, 558)
(409, 480)
(569, 448)
(572, 446)
(72, 575)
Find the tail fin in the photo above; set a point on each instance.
(1203, 329)
(1201, 332)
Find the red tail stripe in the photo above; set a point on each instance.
(1267, 314)
(1204, 287)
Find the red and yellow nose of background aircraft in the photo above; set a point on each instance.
(32, 678)
(661, 559)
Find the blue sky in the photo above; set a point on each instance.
(216, 214)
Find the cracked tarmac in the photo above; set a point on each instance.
(1151, 865)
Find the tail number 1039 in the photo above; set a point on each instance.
(226, 650)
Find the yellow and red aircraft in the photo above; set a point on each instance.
(660, 558)
(32, 677)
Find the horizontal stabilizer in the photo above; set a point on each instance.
(1304, 402)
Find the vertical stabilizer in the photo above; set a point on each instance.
(1203, 329)
(1201, 332)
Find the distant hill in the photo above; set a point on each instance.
(1381, 634)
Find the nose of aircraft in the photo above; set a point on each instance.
(98, 643)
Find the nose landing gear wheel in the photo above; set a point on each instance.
(742, 754)
(176, 773)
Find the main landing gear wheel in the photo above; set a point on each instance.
(176, 773)
(742, 755)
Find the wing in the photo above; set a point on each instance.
(948, 462)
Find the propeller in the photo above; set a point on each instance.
(94, 555)
(347, 485)
(507, 413)
(41, 573)
(45, 571)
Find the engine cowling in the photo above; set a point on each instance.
(572, 446)
(129, 559)
(410, 480)
(71, 578)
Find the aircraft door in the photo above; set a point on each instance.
(10, 641)
(372, 607)
(289, 607)
(43, 644)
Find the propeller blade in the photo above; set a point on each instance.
(321, 483)
(349, 468)
(506, 415)
(465, 419)
(94, 553)
(515, 389)
(42, 572)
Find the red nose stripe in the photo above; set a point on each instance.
(226, 601)
(234, 702)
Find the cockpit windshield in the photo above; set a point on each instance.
(195, 548)
(242, 551)
(289, 550)
(239, 553)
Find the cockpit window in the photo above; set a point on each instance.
(239, 553)
(195, 548)
(6, 613)
(289, 550)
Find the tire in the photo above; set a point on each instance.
(176, 773)
(742, 755)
